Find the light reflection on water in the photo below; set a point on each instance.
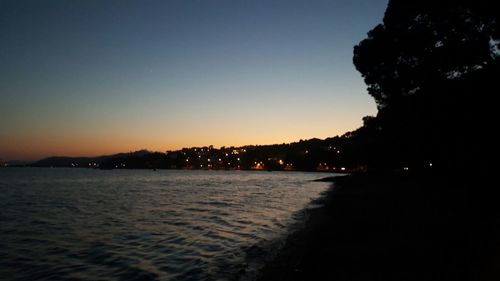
(143, 225)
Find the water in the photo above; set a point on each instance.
(82, 224)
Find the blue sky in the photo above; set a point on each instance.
(97, 77)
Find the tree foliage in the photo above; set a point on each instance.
(421, 43)
(430, 66)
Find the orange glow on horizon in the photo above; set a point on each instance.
(38, 147)
(77, 138)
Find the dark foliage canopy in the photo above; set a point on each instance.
(432, 67)
(421, 43)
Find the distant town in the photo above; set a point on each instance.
(305, 155)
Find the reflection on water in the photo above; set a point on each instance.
(143, 225)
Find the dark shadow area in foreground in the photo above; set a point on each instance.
(395, 227)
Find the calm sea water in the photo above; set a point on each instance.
(83, 224)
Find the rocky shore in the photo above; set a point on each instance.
(394, 227)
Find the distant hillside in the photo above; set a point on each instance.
(305, 155)
(64, 161)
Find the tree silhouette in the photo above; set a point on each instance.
(428, 67)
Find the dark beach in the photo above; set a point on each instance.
(395, 226)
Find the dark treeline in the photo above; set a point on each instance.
(432, 68)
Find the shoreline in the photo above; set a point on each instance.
(327, 179)
(391, 227)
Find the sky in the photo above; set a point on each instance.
(95, 77)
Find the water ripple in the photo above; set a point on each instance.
(78, 224)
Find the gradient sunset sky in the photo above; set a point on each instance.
(93, 77)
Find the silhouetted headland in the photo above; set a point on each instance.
(328, 155)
